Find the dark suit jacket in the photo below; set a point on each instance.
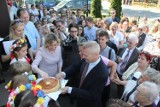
(89, 94)
(133, 58)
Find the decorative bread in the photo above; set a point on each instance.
(49, 85)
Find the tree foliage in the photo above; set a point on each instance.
(117, 5)
(96, 8)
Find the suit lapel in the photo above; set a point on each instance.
(92, 72)
(131, 57)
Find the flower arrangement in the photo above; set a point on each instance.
(17, 44)
(31, 77)
(36, 89)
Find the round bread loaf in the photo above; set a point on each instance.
(49, 85)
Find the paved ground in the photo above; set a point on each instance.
(135, 11)
(152, 13)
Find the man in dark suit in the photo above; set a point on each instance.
(127, 57)
(92, 78)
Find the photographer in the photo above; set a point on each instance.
(70, 46)
(60, 29)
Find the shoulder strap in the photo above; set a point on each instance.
(109, 56)
(131, 92)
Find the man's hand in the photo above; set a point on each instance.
(60, 75)
(64, 90)
(120, 59)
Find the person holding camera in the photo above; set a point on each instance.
(70, 46)
(60, 29)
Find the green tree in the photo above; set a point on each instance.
(96, 9)
(117, 5)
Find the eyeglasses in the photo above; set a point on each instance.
(16, 22)
(113, 28)
(140, 29)
(112, 12)
(73, 31)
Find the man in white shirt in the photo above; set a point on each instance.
(29, 29)
(41, 14)
(90, 30)
(34, 11)
(126, 58)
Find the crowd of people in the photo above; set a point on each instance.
(92, 54)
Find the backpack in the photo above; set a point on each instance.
(109, 55)
(113, 46)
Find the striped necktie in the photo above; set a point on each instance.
(124, 63)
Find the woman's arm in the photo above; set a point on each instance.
(60, 61)
(118, 81)
(39, 71)
(35, 64)
(30, 53)
(113, 67)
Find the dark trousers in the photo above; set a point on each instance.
(105, 95)
(120, 88)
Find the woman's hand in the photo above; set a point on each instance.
(60, 75)
(44, 75)
(117, 81)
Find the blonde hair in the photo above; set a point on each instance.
(16, 23)
(113, 24)
(155, 28)
(19, 67)
(45, 30)
(50, 38)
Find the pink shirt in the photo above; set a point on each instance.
(47, 61)
(106, 60)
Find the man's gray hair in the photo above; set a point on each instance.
(153, 75)
(151, 90)
(133, 37)
(92, 45)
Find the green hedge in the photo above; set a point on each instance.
(96, 9)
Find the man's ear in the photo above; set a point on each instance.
(5, 19)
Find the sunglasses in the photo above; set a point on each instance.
(16, 22)
(112, 12)
(140, 29)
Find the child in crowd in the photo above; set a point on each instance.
(19, 51)
(19, 68)
(28, 95)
